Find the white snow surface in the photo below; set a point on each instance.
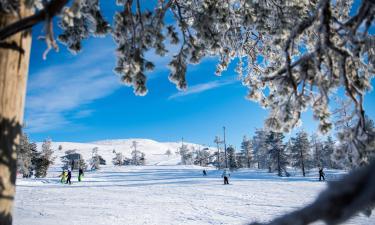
(155, 151)
(166, 195)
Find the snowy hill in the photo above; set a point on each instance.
(155, 151)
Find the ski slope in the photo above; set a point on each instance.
(167, 195)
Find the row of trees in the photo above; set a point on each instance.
(269, 150)
(138, 158)
(30, 161)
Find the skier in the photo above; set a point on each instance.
(321, 174)
(225, 175)
(80, 174)
(63, 176)
(204, 173)
(69, 177)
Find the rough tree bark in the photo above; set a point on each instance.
(14, 63)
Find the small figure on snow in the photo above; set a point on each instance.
(321, 174)
(204, 172)
(69, 177)
(80, 174)
(63, 176)
(226, 176)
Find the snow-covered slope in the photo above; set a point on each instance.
(155, 151)
(166, 195)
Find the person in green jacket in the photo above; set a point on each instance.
(80, 174)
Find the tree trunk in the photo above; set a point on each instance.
(302, 163)
(14, 62)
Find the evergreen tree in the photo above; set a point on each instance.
(45, 159)
(202, 157)
(142, 160)
(260, 150)
(277, 156)
(351, 151)
(186, 155)
(118, 159)
(232, 159)
(138, 158)
(317, 147)
(95, 160)
(328, 150)
(300, 151)
(247, 152)
(25, 152)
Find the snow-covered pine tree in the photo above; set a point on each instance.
(202, 157)
(118, 159)
(138, 158)
(317, 150)
(25, 152)
(186, 155)
(277, 156)
(300, 151)
(247, 152)
(95, 160)
(219, 161)
(329, 146)
(232, 158)
(142, 160)
(101, 160)
(350, 153)
(260, 148)
(45, 159)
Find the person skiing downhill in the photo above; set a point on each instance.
(204, 173)
(80, 174)
(225, 175)
(321, 174)
(69, 177)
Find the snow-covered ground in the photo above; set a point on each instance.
(164, 195)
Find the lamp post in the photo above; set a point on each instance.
(225, 150)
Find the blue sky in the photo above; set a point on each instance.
(79, 98)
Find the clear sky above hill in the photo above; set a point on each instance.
(79, 98)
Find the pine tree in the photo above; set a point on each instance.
(232, 159)
(201, 157)
(260, 148)
(247, 152)
(277, 156)
(24, 156)
(328, 150)
(300, 151)
(317, 147)
(138, 158)
(142, 160)
(45, 159)
(118, 159)
(186, 155)
(95, 160)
